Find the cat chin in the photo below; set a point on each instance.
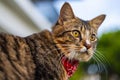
(82, 57)
(85, 59)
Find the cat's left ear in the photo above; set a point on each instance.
(96, 22)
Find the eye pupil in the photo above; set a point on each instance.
(75, 33)
(93, 37)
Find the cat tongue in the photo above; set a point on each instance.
(70, 65)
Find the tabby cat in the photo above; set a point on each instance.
(49, 55)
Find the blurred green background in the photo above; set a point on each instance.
(108, 65)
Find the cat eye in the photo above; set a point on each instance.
(93, 37)
(75, 33)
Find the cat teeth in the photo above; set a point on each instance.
(84, 49)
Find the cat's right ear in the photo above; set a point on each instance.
(66, 13)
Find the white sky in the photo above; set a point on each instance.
(88, 9)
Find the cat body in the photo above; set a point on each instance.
(31, 58)
(49, 55)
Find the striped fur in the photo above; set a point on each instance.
(29, 58)
(38, 56)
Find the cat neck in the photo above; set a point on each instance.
(69, 65)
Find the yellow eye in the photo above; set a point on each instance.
(75, 33)
(93, 37)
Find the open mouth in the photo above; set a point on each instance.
(70, 65)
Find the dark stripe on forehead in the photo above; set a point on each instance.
(87, 25)
(83, 27)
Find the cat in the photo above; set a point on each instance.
(49, 55)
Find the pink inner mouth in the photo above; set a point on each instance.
(70, 65)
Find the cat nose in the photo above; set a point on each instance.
(88, 46)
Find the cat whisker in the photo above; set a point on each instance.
(103, 58)
(101, 64)
(63, 44)
(100, 58)
(100, 68)
(98, 65)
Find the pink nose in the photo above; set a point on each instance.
(88, 46)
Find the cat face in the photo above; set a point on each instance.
(75, 37)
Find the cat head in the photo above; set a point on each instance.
(75, 37)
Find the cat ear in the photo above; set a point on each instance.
(96, 22)
(66, 13)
